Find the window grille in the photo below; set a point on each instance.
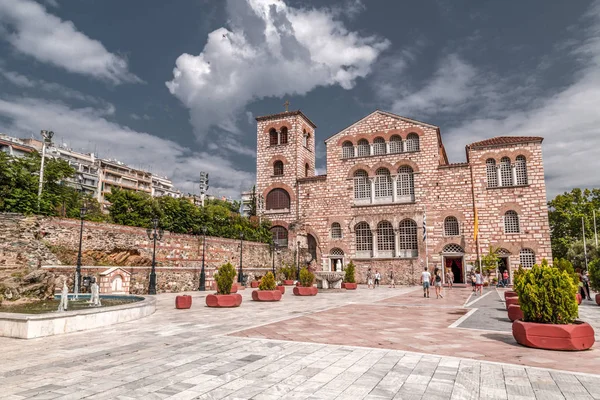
(363, 148)
(280, 236)
(511, 222)
(304, 138)
(506, 172)
(362, 185)
(405, 186)
(395, 144)
(408, 235)
(278, 199)
(336, 231)
(385, 236)
(521, 170)
(278, 168)
(336, 252)
(273, 137)
(453, 248)
(451, 227)
(492, 174)
(347, 150)
(378, 146)
(412, 142)
(383, 183)
(283, 135)
(364, 237)
(527, 258)
(503, 252)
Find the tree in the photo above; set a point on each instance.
(253, 210)
(576, 255)
(490, 260)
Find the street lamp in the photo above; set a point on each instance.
(82, 212)
(274, 248)
(298, 263)
(155, 233)
(202, 286)
(241, 270)
(47, 139)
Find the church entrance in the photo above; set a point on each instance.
(455, 264)
(336, 259)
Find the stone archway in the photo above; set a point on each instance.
(453, 257)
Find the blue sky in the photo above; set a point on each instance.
(174, 87)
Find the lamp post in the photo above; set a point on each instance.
(274, 248)
(202, 286)
(241, 270)
(77, 284)
(47, 139)
(155, 233)
(298, 261)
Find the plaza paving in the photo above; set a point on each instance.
(372, 344)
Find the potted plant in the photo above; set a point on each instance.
(594, 272)
(256, 282)
(289, 274)
(306, 287)
(349, 279)
(280, 287)
(547, 299)
(224, 297)
(267, 290)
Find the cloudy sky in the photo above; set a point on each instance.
(174, 87)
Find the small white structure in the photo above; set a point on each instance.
(95, 297)
(114, 280)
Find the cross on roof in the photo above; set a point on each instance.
(286, 104)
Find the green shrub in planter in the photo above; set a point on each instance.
(565, 265)
(546, 295)
(289, 272)
(268, 282)
(594, 271)
(224, 278)
(306, 277)
(349, 278)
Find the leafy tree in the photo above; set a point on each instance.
(577, 256)
(132, 208)
(253, 208)
(490, 260)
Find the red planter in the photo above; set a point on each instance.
(224, 300)
(578, 296)
(349, 286)
(511, 300)
(514, 312)
(254, 284)
(281, 288)
(510, 293)
(183, 302)
(305, 291)
(266, 295)
(234, 287)
(288, 282)
(598, 299)
(577, 336)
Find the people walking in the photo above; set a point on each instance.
(425, 281)
(370, 279)
(505, 278)
(478, 283)
(449, 277)
(472, 279)
(585, 278)
(377, 278)
(392, 281)
(437, 282)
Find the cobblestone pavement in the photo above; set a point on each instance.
(201, 354)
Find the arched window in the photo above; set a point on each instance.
(280, 236)
(336, 252)
(362, 185)
(336, 231)
(347, 150)
(283, 135)
(383, 183)
(306, 169)
(395, 144)
(452, 248)
(492, 174)
(273, 137)
(405, 187)
(304, 138)
(312, 246)
(506, 172)
(278, 199)
(364, 239)
(521, 170)
(412, 142)
(451, 227)
(363, 148)
(527, 258)
(407, 243)
(278, 168)
(385, 239)
(378, 146)
(511, 222)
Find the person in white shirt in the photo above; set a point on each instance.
(377, 278)
(425, 280)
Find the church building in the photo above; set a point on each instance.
(391, 200)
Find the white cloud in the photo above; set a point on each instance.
(89, 127)
(31, 30)
(268, 49)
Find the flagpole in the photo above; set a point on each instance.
(425, 237)
(584, 246)
(595, 232)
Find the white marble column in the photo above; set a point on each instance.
(513, 170)
(355, 151)
(371, 152)
(375, 253)
(499, 175)
(396, 242)
(394, 187)
(372, 181)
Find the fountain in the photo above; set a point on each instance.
(329, 280)
(95, 297)
(64, 298)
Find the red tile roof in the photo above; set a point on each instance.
(505, 140)
(286, 114)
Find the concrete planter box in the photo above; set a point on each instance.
(288, 282)
(29, 326)
(234, 287)
(281, 288)
(570, 337)
(183, 302)
(514, 312)
(511, 300)
(254, 284)
(510, 293)
(305, 291)
(266, 295)
(349, 286)
(224, 300)
(578, 297)
(598, 299)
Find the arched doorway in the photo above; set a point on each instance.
(336, 255)
(503, 263)
(312, 246)
(453, 256)
(117, 284)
